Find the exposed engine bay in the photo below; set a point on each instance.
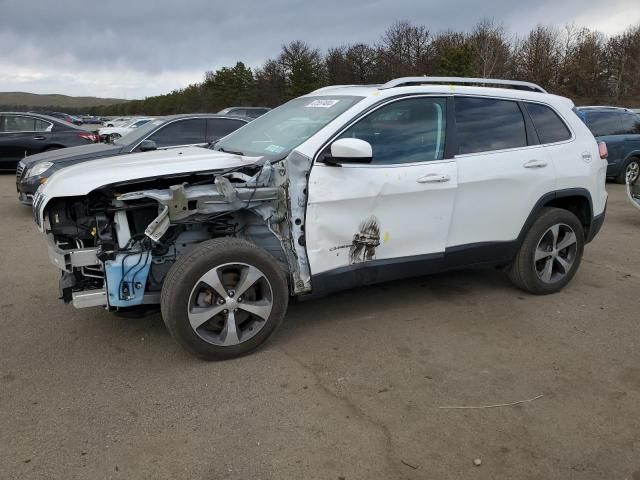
(117, 244)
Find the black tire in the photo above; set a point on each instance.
(622, 176)
(523, 272)
(185, 275)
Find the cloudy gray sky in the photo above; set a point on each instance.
(136, 48)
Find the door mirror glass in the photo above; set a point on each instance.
(351, 150)
(147, 145)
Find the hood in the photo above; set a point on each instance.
(73, 154)
(83, 178)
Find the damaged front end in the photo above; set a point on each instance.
(116, 245)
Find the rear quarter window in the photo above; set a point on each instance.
(603, 124)
(549, 127)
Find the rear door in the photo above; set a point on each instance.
(607, 126)
(394, 211)
(501, 175)
(631, 128)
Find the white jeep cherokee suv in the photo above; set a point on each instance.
(345, 186)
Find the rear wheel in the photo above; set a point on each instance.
(550, 253)
(224, 298)
(630, 171)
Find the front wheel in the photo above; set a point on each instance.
(550, 253)
(224, 298)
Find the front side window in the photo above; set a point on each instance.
(181, 132)
(277, 132)
(549, 127)
(19, 123)
(405, 131)
(603, 124)
(487, 124)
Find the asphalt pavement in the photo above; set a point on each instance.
(352, 387)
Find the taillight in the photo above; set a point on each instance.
(602, 149)
(89, 136)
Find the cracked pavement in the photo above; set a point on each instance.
(350, 387)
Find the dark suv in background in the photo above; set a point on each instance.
(619, 128)
(166, 132)
(23, 134)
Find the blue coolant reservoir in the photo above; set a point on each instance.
(126, 277)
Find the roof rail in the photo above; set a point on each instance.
(408, 81)
(605, 107)
(331, 87)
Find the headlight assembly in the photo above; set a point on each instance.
(39, 169)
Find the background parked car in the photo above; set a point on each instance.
(251, 112)
(109, 134)
(167, 132)
(62, 116)
(23, 134)
(619, 128)
(116, 122)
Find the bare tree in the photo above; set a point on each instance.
(491, 49)
(537, 56)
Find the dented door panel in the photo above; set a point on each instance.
(360, 213)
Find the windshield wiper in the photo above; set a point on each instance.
(230, 151)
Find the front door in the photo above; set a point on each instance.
(393, 212)
(21, 135)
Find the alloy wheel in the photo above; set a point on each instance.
(555, 253)
(230, 304)
(632, 171)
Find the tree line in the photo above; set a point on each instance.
(577, 62)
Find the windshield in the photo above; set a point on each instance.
(279, 131)
(139, 133)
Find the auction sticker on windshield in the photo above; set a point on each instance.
(322, 103)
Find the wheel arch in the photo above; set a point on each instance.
(576, 200)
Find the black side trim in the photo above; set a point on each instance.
(596, 225)
(477, 255)
(480, 254)
(375, 271)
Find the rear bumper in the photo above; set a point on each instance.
(596, 225)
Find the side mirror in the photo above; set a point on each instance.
(147, 145)
(351, 150)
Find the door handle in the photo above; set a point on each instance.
(434, 178)
(535, 164)
(39, 137)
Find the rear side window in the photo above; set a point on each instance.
(220, 127)
(41, 126)
(548, 125)
(485, 124)
(631, 124)
(605, 123)
(405, 131)
(181, 132)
